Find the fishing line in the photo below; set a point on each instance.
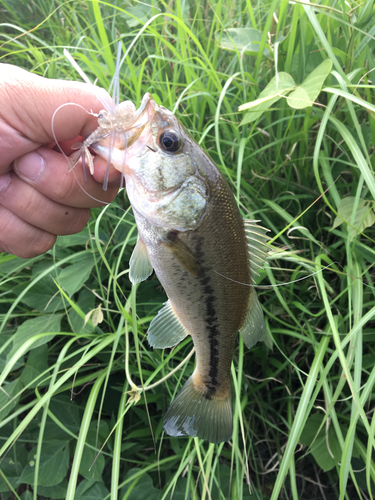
(250, 284)
(279, 284)
(53, 119)
(108, 107)
(354, 277)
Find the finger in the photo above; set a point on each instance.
(46, 171)
(101, 166)
(29, 116)
(36, 209)
(22, 239)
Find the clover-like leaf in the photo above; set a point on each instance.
(277, 87)
(306, 94)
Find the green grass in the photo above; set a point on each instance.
(70, 423)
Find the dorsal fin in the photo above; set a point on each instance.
(257, 246)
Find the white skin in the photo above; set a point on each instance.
(39, 199)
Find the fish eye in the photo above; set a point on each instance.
(169, 141)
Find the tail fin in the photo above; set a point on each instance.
(192, 414)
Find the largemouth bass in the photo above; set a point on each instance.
(204, 254)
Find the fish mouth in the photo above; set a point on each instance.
(115, 146)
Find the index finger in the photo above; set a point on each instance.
(28, 104)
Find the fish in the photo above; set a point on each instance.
(191, 233)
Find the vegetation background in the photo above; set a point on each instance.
(73, 422)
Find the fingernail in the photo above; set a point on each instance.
(4, 182)
(30, 165)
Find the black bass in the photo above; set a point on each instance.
(204, 254)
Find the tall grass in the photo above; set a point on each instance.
(82, 403)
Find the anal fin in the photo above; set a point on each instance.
(140, 266)
(253, 327)
(166, 330)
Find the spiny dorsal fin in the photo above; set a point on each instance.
(140, 266)
(253, 327)
(257, 245)
(165, 330)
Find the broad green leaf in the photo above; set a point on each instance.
(74, 239)
(4, 337)
(53, 465)
(306, 94)
(86, 302)
(56, 492)
(276, 88)
(91, 466)
(142, 12)
(27, 495)
(66, 411)
(8, 399)
(36, 364)
(242, 39)
(11, 470)
(13, 264)
(143, 488)
(43, 296)
(91, 490)
(32, 327)
(325, 457)
(74, 276)
(364, 216)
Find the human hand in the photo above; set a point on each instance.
(39, 199)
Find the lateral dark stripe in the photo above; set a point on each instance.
(212, 326)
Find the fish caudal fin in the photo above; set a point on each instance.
(192, 414)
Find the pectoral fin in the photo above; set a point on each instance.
(183, 254)
(253, 328)
(140, 266)
(165, 330)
